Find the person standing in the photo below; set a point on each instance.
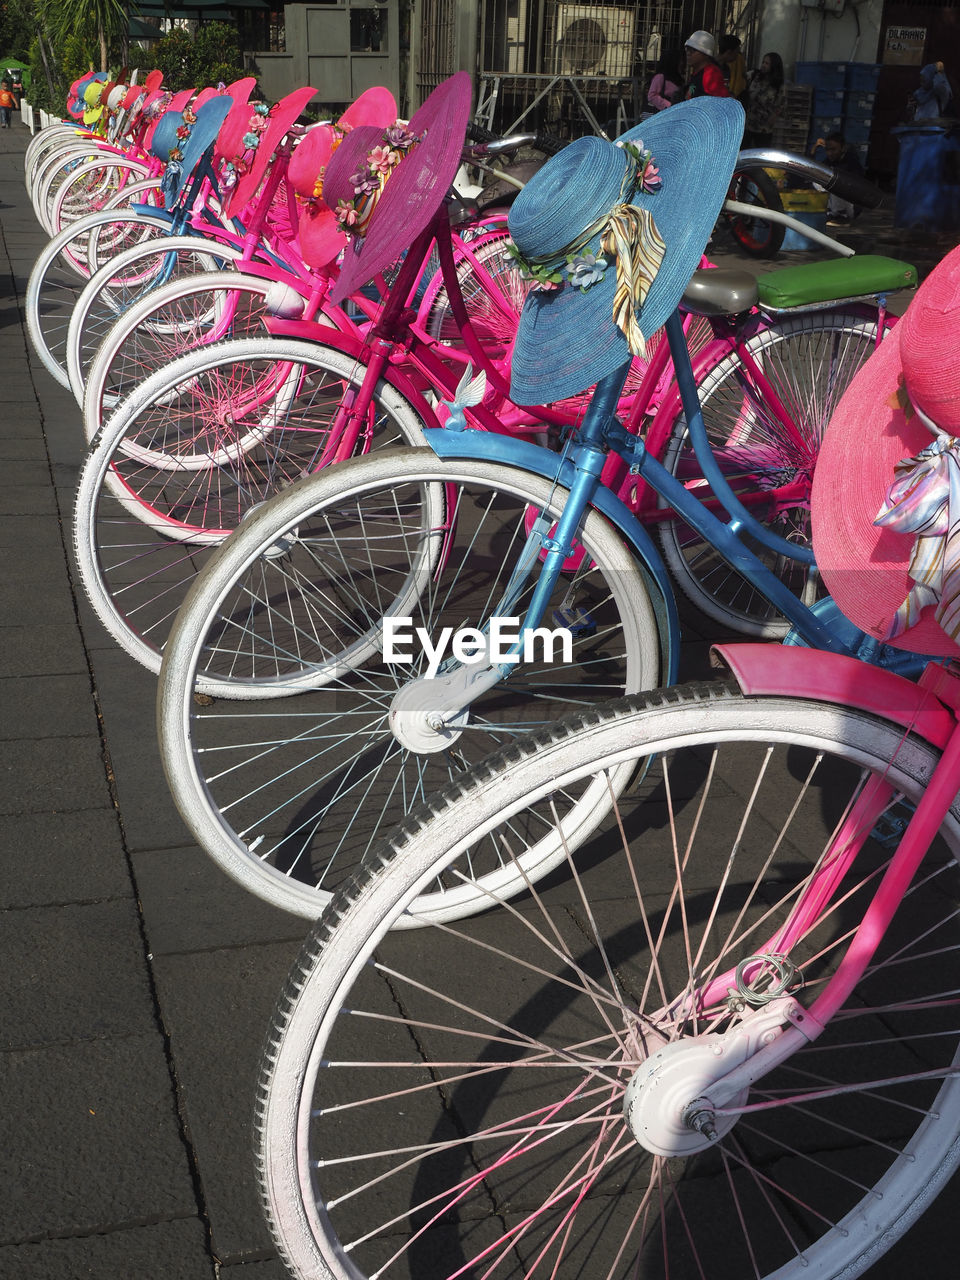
(933, 95)
(705, 78)
(766, 101)
(666, 87)
(8, 104)
(734, 67)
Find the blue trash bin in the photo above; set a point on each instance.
(928, 176)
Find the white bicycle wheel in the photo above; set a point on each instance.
(191, 454)
(288, 796)
(92, 189)
(809, 360)
(84, 157)
(60, 274)
(111, 294)
(452, 1102)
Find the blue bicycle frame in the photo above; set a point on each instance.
(577, 470)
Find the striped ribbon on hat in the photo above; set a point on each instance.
(631, 234)
(924, 499)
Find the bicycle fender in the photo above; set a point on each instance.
(152, 211)
(486, 446)
(768, 669)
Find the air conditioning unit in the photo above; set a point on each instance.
(593, 40)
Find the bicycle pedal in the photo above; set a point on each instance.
(890, 826)
(579, 622)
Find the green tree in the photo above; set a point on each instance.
(18, 28)
(100, 20)
(195, 61)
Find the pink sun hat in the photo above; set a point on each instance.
(390, 183)
(889, 451)
(249, 162)
(320, 234)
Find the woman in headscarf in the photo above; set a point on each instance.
(933, 94)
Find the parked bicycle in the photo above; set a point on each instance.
(286, 795)
(723, 1039)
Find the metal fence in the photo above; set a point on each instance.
(572, 68)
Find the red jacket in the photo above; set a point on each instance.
(708, 83)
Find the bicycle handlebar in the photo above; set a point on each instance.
(494, 144)
(848, 186)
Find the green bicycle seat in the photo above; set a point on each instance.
(838, 280)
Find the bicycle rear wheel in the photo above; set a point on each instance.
(757, 236)
(809, 361)
(287, 796)
(451, 1102)
(60, 274)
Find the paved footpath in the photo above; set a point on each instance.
(137, 982)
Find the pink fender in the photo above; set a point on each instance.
(833, 677)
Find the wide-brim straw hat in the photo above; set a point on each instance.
(95, 96)
(76, 99)
(162, 136)
(210, 117)
(414, 190)
(320, 234)
(281, 116)
(879, 422)
(567, 338)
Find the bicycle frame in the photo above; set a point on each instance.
(931, 707)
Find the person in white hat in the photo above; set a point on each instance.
(705, 75)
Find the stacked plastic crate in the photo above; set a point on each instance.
(858, 105)
(844, 94)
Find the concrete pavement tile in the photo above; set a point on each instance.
(274, 1270)
(91, 1139)
(41, 609)
(49, 777)
(40, 651)
(28, 533)
(51, 706)
(128, 694)
(31, 566)
(174, 1250)
(28, 499)
(217, 1007)
(28, 450)
(22, 473)
(189, 904)
(48, 858)
(73, 972)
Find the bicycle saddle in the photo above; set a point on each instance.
(720, 291)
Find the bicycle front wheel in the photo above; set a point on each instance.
(288, 795)
(452, 1102)
(767, 455)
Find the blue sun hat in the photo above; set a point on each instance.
(202, 135)
(182, 137)
(610, 233)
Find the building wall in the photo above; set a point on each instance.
(801, 34)
(325, 48)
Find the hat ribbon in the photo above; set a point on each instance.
(924, 499)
